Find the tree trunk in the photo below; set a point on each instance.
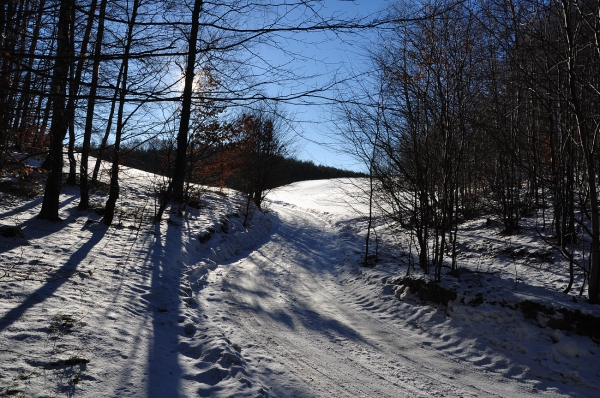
(58, 129)
(186, 107)
(113, 193)
(104, 143)
(74, 89)
(84, 201)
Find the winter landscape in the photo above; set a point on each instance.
(299, 198)
(199, 305)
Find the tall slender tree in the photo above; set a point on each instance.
(113, 193)
(186, 106)
(60, 120)
(91, 106)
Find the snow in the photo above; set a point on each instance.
(281, 308)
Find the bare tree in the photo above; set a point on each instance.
(113, 193)
(91, 106)
(60, 119)
(262, 144)
(186, 105)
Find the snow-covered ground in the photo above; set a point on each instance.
(280, 309)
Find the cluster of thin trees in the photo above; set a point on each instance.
(488, 105)
(103, 74)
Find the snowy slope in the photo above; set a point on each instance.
(278, 309)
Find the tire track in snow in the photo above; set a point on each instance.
(291, 313)
(307, 367)
(306, 331)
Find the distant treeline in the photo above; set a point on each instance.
(288, 170)
(294, 170)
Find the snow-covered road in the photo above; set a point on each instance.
(201, 306)
(305, 332)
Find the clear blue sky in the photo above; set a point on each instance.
(324, 56)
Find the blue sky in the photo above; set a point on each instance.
(321, 58)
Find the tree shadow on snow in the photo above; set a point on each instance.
(164, 370)
(18, 210)
(34, 228)
(316, 253)
(54, 280)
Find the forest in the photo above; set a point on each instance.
(486, 108)
(466, 108)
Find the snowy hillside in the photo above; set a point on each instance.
(199, 305)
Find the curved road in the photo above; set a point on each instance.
(305, 333)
